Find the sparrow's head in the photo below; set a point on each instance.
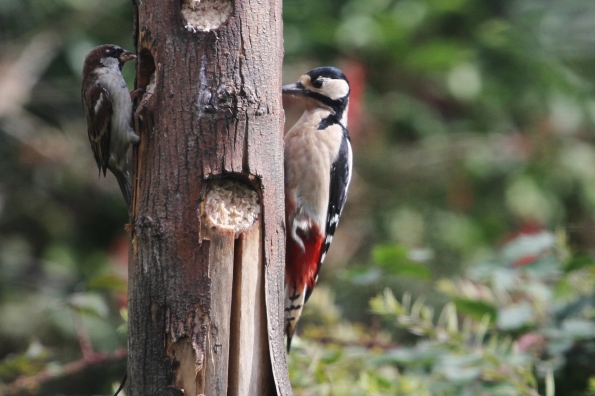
(107, 55)
(327, 86)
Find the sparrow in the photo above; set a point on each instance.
(108, 108)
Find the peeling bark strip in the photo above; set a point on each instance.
(207, 269)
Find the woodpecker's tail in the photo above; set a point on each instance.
(301, 272)
(294, 304)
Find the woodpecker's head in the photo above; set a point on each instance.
(325, 87)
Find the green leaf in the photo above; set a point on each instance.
(332, 356)
(437, 55)
(476, 309)
(411, 270)
(577, 262)
(423, 354)
(394, 259)
(527, 247)
(578, 328)
(515, 316)
(89, 303)
(458, 368)
(109, 282)
(389, 254)
(387, 304)
(363, 275)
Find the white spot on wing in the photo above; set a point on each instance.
(321, 260)
(98, 105)
(335, 219)
(349, 165)
(301, 224)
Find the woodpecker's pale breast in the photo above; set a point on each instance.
(309, 153)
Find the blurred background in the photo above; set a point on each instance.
(463, 264)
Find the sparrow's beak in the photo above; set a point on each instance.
(296, 89)
(126, 56)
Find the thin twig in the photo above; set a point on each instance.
(30, 383)
(368, 344)
(83, 337)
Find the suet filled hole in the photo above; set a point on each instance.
(231, 204)
(205, 15)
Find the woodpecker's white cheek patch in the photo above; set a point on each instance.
(335, 89)
(205, 15)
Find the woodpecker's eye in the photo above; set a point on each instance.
(317, 84)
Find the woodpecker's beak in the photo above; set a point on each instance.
(126, 56)
(296, 89)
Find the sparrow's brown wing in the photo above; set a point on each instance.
(99, 109)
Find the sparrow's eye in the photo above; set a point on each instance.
(317, 84)
(113, 52)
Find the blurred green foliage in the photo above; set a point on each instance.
(472, 124)
(506, 330)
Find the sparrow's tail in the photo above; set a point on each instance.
(125, 185)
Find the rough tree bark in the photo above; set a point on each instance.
(207, 259)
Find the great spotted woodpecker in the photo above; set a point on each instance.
(109, 112)
(318, 164)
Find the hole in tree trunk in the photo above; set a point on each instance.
(205, 15)
(231, 204)
(146, 70)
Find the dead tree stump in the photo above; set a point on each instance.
(207, 259)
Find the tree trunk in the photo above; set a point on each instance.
(207, 264)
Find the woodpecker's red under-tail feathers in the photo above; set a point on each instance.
(301, 271)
